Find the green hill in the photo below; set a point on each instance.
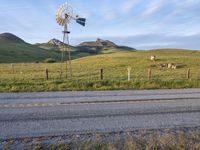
(15, 50)
(10, 38)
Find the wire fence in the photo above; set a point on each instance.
(80, 72)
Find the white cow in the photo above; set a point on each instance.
(153, 58)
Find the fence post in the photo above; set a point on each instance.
(129, 73)
(101, 74)
(13, 69)
(47, 74)
(188, 73)
(149, 74)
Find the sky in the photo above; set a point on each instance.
(142, 24)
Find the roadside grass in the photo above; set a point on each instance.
(167, 141)
(86, 73)
(81, 85)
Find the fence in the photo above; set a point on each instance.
(52, 72)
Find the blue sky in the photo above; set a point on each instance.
(142, 24)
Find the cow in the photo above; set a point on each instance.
(153, 58)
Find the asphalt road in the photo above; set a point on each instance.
(62, 113)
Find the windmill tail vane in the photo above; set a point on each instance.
(81, 21)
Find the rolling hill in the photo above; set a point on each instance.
(15, 50)
(86, 48)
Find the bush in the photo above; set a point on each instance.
(49, 60)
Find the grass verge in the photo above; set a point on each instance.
(167, 141)
(82, 85)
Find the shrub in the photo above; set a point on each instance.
(49, 60)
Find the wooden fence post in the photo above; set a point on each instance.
(13, 69)
(129, 73)
(47, 74)
(188, 74)
(101, 74)
(149, 74)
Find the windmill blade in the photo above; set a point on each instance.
(59, 21)
(63, 22)
(64, 14)
(81, 21)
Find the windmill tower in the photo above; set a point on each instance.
(64, 15)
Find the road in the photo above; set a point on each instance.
(62, 113)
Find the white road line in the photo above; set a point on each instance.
(29, 105)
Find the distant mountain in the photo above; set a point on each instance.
(86, 48)
(53, 44)
(56, 42)
(100, 45)
(15, 50)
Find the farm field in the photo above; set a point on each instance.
(30, 77)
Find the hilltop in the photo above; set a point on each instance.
(10, 38)
(102, 46)
(53, 44)
(99, 43)
(14, 50)
(84, 49)
(92, 47)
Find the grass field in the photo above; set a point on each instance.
(31, 77)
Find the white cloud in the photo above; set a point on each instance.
(153, 7)
(109, 16)
(129, 5)
(190, 2)
(181, 18)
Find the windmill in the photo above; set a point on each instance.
(64, 15)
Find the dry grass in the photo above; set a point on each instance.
(167, 141)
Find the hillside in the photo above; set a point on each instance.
(15, 50)
(140, 60)
(86, 48)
